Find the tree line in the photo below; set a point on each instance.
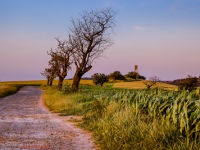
(189, 83)
(101, 78)
(89, 37)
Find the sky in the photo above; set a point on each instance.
(162, 37)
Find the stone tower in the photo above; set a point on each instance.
(136, 69)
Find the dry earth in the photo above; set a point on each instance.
(26, 124)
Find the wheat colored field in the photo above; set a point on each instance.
(141, 85)
(127, 85)
(31, 82)
(39, 82)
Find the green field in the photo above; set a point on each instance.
(133, 119)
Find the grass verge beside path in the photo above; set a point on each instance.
(6, 90)
(11, 87)
(33, 82)
(58, 102)
(123, 119)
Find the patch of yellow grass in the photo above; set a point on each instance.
(4, 87)
(6, 90)
(83, 82)
(59, 102)
(36, 82)
(44, 82)
(141, 85)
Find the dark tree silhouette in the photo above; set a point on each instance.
(90, 36)
(60, 60)
(188, 83)
(100, 78)
(49, 74)
(116, 75)
(135, 75)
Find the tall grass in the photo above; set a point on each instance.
(58, 102)
(66, 102)
(6, 90)
(133, 119)
(122, 128)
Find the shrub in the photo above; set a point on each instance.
(116, 75)
(188, 83)
(100, 78)
(135, 75)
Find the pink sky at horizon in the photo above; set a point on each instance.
(161, 37)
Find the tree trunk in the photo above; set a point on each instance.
(77, 77)
(60, 82)
(76, 80)
(50, 82)
(47, 81)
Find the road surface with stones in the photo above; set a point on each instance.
(26, 124)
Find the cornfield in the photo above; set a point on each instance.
(179, 108)
(124, 119)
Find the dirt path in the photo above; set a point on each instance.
(26, 124)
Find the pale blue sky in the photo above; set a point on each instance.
(161, 36)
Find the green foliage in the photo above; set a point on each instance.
(59, 102)
(100, 78)
(94, 110)
(135, 75)
(138, 119)
(154, 119)
(121, 128)
(116, 75)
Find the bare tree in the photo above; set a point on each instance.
(60, 60)
(90, 36)
(151, 82)
(49, 74)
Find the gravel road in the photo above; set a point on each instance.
(26, 124)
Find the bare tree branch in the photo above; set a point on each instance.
(49, 74)
(90, 37)
(61, 60)
(151, 82)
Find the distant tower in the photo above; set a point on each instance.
(136, 69)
